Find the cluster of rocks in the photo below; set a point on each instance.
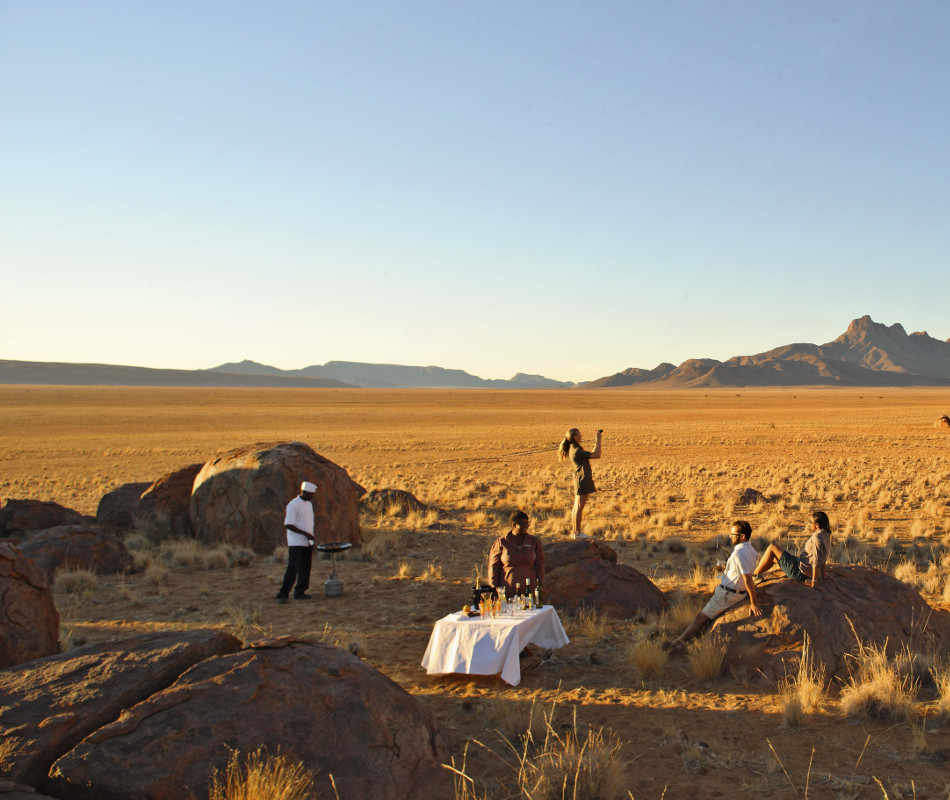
(156, 715)
(237, 498)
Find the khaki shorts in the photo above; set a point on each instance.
(722, 601)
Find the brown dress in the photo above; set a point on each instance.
(511, 563)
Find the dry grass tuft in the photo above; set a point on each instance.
(261, 777)
(587, 622)
(515, 721)
(877, 688)
(647, 657)
(802, 693)
(706, 656)
(76, 581)
(941, 678)
(573, 766)
(156, 574)
(380, 543)
(432, 572)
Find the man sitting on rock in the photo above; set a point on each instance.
(734, 584)
(807, 564)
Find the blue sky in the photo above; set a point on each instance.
(562, 188)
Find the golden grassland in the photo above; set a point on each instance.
(673, 465)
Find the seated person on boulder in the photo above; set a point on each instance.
(516, 558)
(734, 584)
(807, 564)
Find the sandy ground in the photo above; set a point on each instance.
(466, 452)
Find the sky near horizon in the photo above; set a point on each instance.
(563, 188)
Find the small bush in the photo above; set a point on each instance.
(156, 574)
(591, 624)
(261, 777)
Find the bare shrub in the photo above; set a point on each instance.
(261, 776)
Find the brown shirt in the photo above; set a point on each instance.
(510, 563)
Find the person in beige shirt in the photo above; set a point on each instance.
(807, 565)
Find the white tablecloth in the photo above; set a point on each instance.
(486, 646)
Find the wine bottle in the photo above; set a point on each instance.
(538, 596)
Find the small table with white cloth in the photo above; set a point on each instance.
(491, 646)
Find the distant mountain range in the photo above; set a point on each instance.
(340, 374)
(867, 354)
(50, 373)
(395, 376)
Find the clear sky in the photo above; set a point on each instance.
(565, 188)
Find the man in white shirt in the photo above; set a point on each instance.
(298, 522)
(734, 584)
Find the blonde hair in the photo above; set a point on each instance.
(567, 443)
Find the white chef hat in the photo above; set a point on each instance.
(306, 486)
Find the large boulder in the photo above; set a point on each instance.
(50, 705)
(318, 704)
(240, 496)
(618, 590)
(78, 547)
(116, 507)
(381, 501)
(572, 551)
(23, 516)
(852, 602)
(164, 509)
(29, 621)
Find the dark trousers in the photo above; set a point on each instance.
(299, 560)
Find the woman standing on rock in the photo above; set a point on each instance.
(583, 479)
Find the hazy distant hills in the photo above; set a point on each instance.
(51, 373)
(394, 376)
(345, 374)
(867, 354)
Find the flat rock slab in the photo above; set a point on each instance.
(29, 621)
(853, 601)
(618, 590)
(318, 704)
(78, 547)
(48, 706)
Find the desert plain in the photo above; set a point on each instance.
(672, 467)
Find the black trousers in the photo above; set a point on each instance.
(299, 560)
